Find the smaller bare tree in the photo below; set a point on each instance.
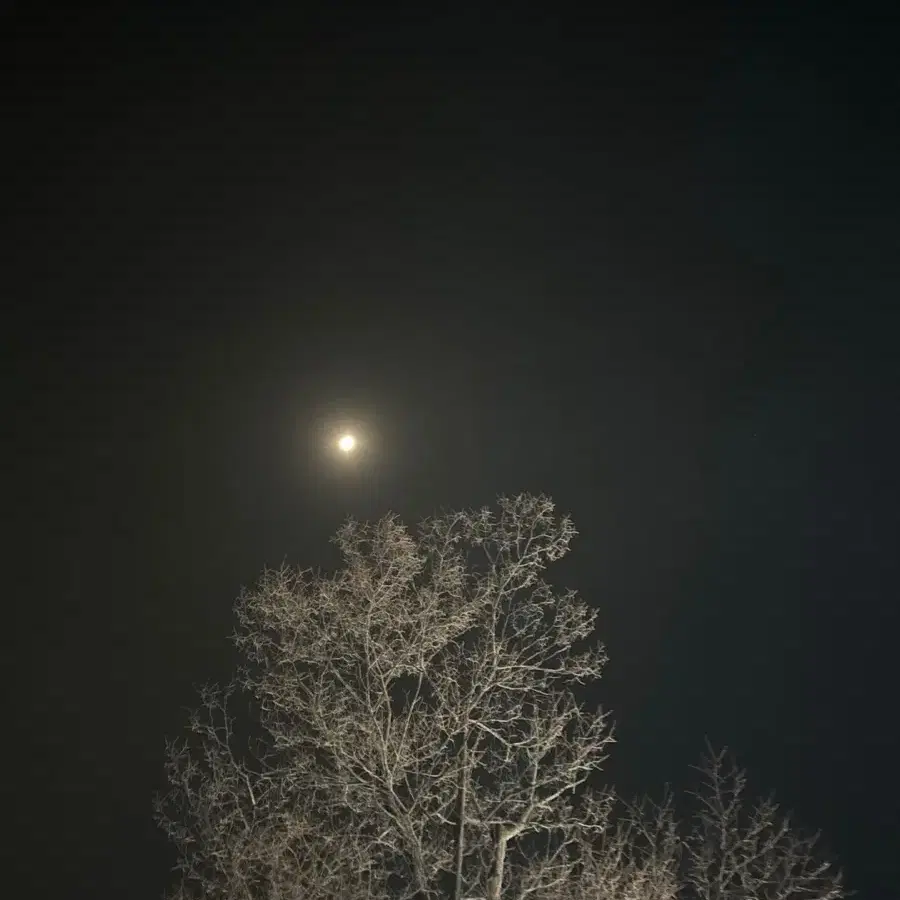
(743, 850)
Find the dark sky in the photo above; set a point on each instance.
(645, 263)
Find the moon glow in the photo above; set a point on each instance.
(346, 443)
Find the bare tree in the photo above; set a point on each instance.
(739, 849)
(419, 733)
(731, 849)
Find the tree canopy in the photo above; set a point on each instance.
(413, 725)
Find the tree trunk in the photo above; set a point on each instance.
(461, 830)
(495, 882)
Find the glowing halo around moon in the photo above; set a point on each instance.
(346, 445)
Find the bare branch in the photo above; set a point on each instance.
(414, 733)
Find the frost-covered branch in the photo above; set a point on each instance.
(415, 731)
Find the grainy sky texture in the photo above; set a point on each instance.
(643, 261)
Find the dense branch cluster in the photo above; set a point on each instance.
(416, 731)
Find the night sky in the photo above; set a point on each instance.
(648, 264)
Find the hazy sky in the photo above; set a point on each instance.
(647, 265)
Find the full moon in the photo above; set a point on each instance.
(347, 442)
